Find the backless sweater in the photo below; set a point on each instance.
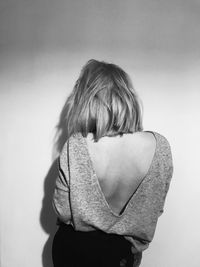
(78, 199)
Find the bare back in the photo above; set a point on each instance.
(120, 165)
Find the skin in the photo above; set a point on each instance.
(120, 164)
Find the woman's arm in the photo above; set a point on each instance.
(61, 202)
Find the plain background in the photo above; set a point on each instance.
(43, 45)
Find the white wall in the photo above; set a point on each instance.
(43, 45)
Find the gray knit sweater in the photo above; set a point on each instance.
(78, 199)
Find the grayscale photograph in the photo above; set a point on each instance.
(99, 104)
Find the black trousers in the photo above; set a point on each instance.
(90, 249)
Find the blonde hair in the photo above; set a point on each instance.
(103, 102)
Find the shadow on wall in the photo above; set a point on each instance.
(47, 214)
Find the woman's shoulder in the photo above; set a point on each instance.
(145, 139)
(73, 145)
(162, 140)
(164, 153)
(73, 140)
(156, 134)
(162, 145)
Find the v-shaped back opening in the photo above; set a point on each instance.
(125, 205)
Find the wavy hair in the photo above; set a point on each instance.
(103, 102)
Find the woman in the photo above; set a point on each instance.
(113, 176)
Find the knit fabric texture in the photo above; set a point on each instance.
(79, 200)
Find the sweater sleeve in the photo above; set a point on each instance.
(168, 173)
(61, 202)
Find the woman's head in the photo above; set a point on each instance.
(103, 102)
